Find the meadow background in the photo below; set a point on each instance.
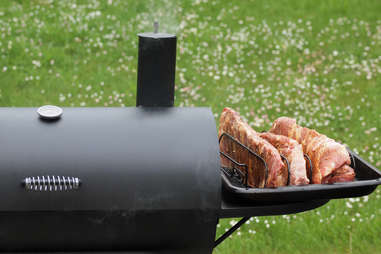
(317, 61)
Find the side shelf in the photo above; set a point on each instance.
(230, 209)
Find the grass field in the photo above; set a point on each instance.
(317, 61)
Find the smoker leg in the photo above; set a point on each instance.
(230, 231)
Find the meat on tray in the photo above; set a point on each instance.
(232, 124)
(293, 151)
(343, 174)
(330, 160)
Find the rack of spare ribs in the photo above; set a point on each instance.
(146, 179)
(235, 180)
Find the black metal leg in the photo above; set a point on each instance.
(230, 231)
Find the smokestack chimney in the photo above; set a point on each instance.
(156, 69)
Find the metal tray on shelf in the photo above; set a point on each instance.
(236, 191)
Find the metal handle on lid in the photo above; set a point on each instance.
(51, 183)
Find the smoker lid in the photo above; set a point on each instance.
(126, 159)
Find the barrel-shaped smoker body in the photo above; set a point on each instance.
(149, 179)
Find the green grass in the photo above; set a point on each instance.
(317, 61)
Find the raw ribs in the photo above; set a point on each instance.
(232, 124)
(293, 151)
(330, 160)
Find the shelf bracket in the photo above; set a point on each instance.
(231, 231)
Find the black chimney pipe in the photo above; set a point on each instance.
(156, 69)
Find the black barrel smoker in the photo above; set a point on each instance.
(129, 180)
